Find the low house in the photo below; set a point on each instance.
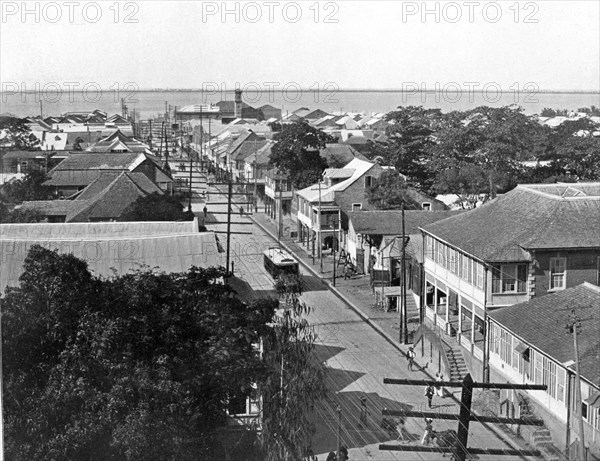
(104, 199)
(534, 240)
(322, 208)
(374, 242)
(279, 193)
(256, 167)
(528, 344)
(77, 171)
(111, 247)
(268, 112)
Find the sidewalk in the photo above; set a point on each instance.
(358, 295)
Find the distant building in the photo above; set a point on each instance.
(268, 112)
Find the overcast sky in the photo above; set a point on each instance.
(354, 44)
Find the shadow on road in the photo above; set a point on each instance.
(359, 425)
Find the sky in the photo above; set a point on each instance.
(554, 45)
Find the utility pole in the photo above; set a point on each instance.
(404, 320)
(456, 442)
(320, 230)
(574, 326)
(339, 431)
(229, 192)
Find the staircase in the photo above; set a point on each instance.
(456, 362)
(540, 437)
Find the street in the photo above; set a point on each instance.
(358, 357)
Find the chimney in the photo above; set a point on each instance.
(237, 105)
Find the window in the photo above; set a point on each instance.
(509, 278)
(479, 276)
(426, 206)
(368, 181)
(584, 411)
(356, 206)
(558, 273)
(452, 261)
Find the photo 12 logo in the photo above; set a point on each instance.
(455, 12)
(257, 92)
(70, 12)
(455, 92)
(270, 12)
(54, 92)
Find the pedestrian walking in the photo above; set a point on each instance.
(205, 211)
(428, 434)
(400, 423)
(241, 210)
(438, 388)
(410, 355)
(429, 394)
(363, 411)
(343, 454)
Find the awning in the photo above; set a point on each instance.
(593, 399)
(522, 348)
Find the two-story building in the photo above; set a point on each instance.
(532, 343)
(534, 240)
(322, 208)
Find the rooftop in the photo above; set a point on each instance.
(530, 217)
(389, 222)
(541, 323)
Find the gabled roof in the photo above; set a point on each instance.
(337, 173)
(249, 149)
(98, 161)
(389, 222)
(66, 208)
(343, 152)
(311, 193)
(530, 217)
(117, 196)
(118, 141)
(316, 114)
(541, 323)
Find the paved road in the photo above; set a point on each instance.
(358, 359)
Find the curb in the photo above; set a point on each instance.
(498, 433)
(337, 292)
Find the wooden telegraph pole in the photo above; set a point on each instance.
(459, 448)
(574, 326)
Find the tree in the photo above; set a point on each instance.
(410, 137)
(135, 367)
(18, 134)
(482, 143)
(580, 156)
(296, 381)
(296, 153)
(389, 191)
(155, 207)
(31, 187)
(19, 216)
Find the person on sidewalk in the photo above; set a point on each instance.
(410, 355)
(428, 434)
(241, 211)
(429, 394)
(440, 390)
(400, 428)
(205, 211)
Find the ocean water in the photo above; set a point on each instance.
(151, 103)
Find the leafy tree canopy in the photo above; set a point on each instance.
(296, 153)
(18, 134)
(135, 367)
(389, 191)
(19, 216)
(155, 207)
(29, 188)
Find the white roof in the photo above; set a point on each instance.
(311, 193)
